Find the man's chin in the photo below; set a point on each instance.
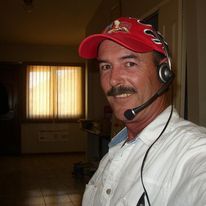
(120, 115)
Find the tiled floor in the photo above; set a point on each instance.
(40, 180)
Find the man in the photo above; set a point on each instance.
(158, 159)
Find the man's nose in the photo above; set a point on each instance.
(116, 77)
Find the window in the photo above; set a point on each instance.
(54, 92)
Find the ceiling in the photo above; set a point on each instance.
(46, 22)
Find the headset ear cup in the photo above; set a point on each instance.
(165, 73)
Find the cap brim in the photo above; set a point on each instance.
(89, 47)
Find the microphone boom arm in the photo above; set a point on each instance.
(130, 113)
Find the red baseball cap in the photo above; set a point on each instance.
(129, 32)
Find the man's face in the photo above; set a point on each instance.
(127, 78)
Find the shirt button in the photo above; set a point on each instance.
(108, 191)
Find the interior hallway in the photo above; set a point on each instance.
(40, 180)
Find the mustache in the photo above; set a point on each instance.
(120, 90)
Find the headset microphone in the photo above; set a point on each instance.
(131, 113)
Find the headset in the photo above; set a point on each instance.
(165, 72)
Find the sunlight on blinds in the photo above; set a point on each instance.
(68, 91)
(54, 92)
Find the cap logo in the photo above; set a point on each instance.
(116, 26)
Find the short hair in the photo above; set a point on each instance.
(158, 57)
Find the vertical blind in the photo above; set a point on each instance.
(54, 92)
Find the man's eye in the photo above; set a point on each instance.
(130, 64)
(104, 67)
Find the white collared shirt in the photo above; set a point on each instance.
(174, 173)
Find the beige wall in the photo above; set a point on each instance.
(137, 8)
(201, 31)
(35, 53)
(52, 138)
(195, 30)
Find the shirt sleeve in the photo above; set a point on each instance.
(190, 189)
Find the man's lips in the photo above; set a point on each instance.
(122, 95)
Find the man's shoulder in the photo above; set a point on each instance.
(188, 128)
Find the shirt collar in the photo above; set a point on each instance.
(119, 137)
(149, 133)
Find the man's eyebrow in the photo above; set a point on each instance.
(99, 61)
(130, 56)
